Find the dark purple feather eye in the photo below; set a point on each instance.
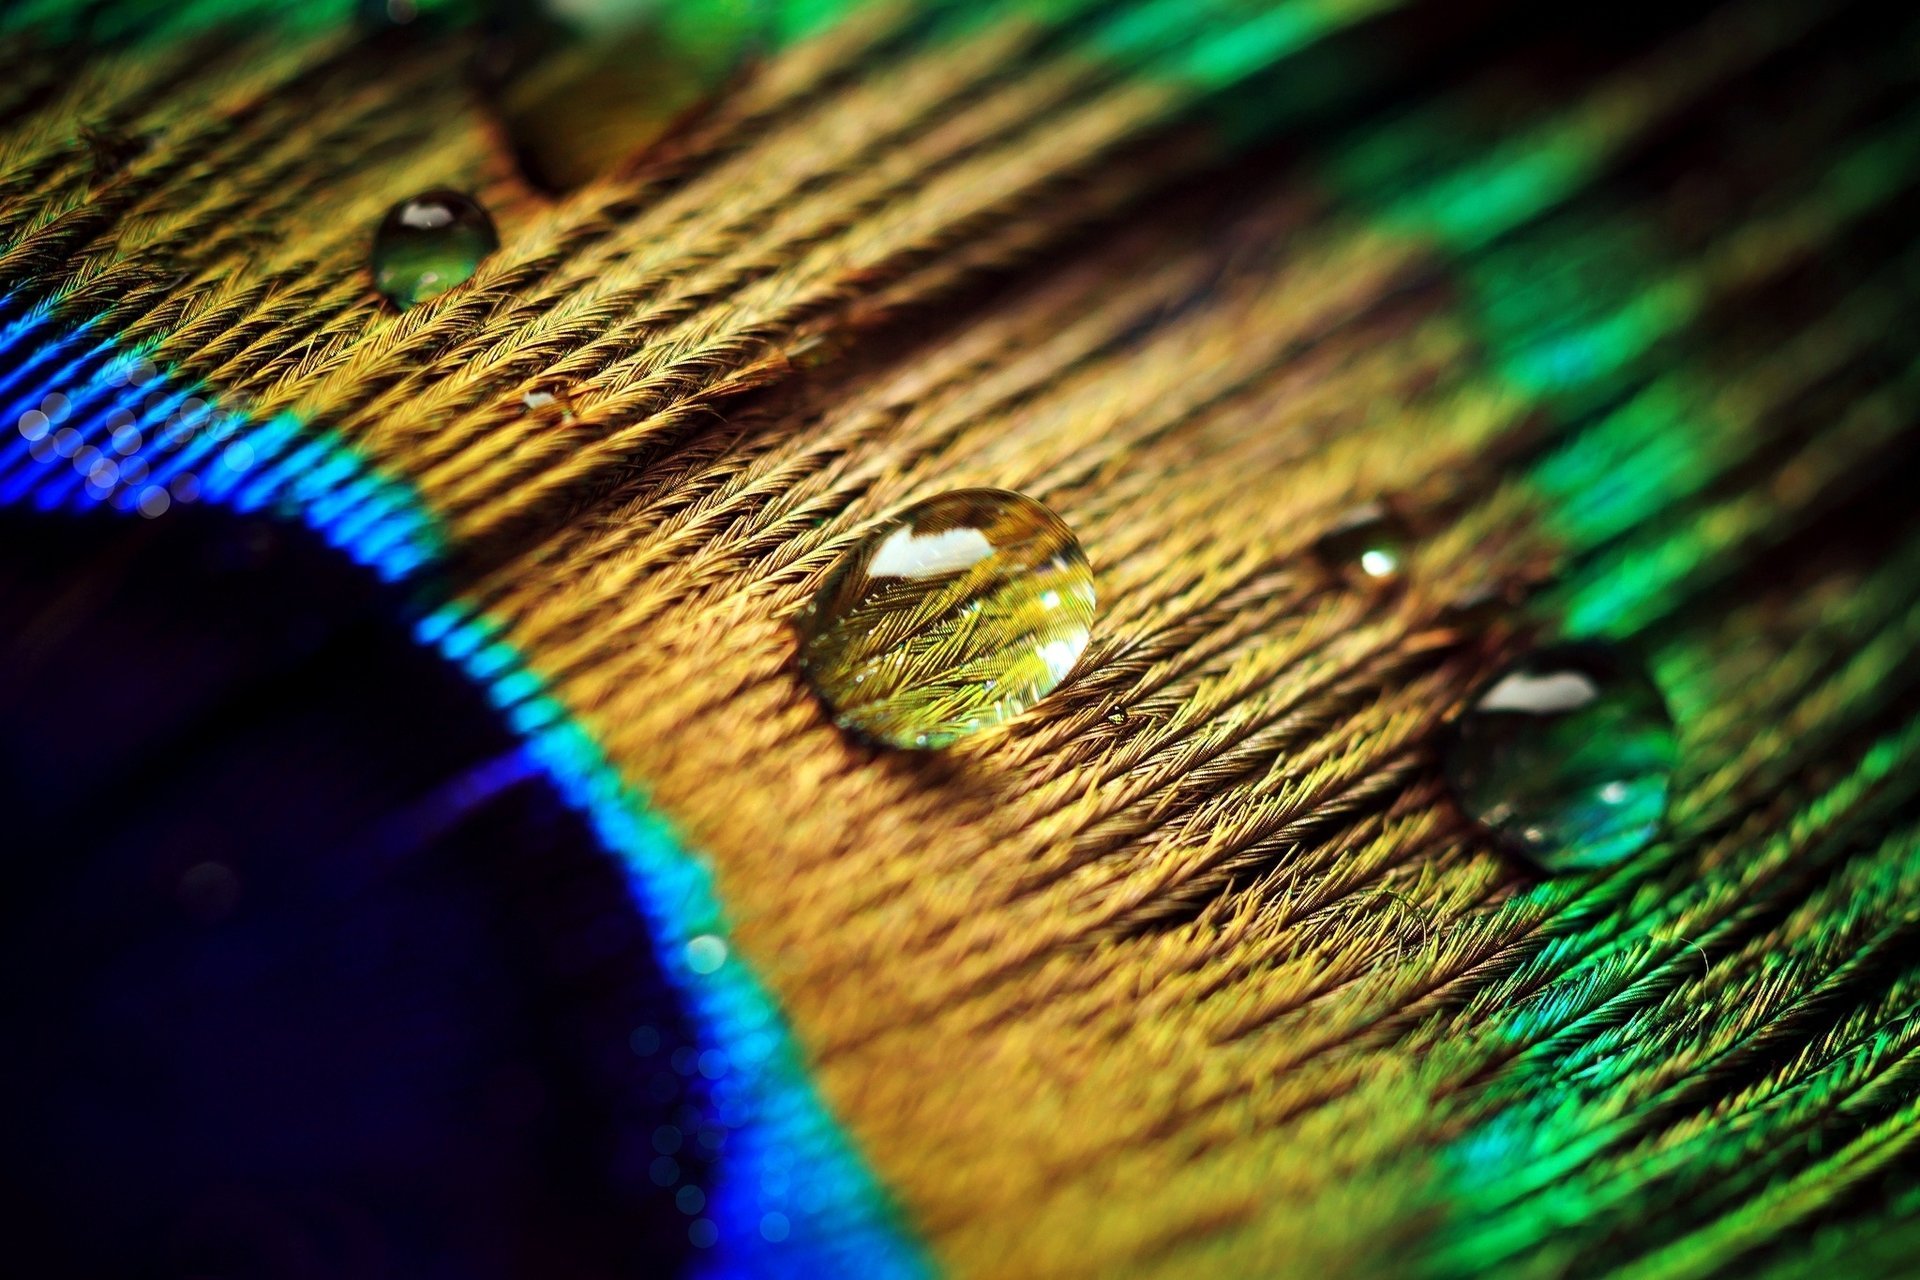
(303, 956)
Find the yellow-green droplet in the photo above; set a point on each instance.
(953, 615)
(1567, 757)
(428, 244)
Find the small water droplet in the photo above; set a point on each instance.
(428, 244)
(1366, 545)
(1567, 757)
(953, 615)
(1117, 716)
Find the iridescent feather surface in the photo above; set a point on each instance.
(1356, 350)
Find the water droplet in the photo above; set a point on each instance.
(954, 615)
(1117, 716)
(427, 245)
(1366, 545)
(1567, 757)
(586, 86)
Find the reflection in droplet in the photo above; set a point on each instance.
(427, 245)
(1567, 757)
(954, 615)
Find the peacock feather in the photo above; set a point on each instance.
(1600, 320)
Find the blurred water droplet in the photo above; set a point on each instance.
(1367, 545)
(582, 86)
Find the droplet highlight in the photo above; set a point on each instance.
(1566, 757)
(953, 616)
(428, 244)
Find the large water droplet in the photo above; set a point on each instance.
(1567, 757)
(954, 615)
(428, 244)
(587, 85)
